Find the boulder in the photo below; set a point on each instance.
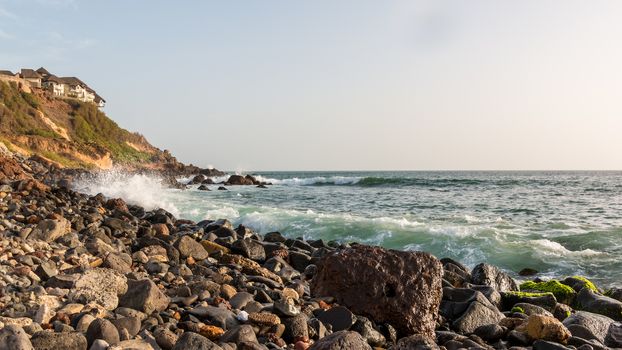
(339, 317)
(50, 230)
(188, 247)
(194, 341)
(539, 327)
(45, 340)
(614, 336)
(492, 276)
(102, 329)
(239, 180)
(397, 287)
(598, 325)
(14, 338)
(341, 340)
(144, 296)
(587, 300)
(101, 285)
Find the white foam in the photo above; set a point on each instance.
(551, 248)
(306, 181)
(139, 189)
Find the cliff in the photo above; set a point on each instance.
(75, 134)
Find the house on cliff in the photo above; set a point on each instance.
(59, 87)
(31, 77)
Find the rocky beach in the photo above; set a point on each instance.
(91, 272)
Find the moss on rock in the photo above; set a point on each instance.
(563, 293)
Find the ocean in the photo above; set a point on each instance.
(559, 223)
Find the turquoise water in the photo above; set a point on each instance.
(560, 223)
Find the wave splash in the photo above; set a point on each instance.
(147, 191)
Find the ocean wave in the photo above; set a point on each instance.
(545, 247)
(145, 190)
(308, 181)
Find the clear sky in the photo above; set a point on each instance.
(335, 85)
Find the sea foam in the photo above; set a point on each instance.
(145, 190)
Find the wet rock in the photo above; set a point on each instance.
(595, 323)
(587, 300)
(194, 341)
(545, 300)
(614, 336)
(339, 317)
(14, 338)
(102, 329)
(401, 288)
(341, 340)
(530, 309)
(527, 272)
(492, 276)
(46, 340)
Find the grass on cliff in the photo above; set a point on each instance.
(18, 113)
(92, 126)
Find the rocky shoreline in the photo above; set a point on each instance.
(89, 272)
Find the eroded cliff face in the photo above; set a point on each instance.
(74, 134)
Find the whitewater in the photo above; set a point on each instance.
(559, 223)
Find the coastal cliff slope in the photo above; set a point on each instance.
(74, 134)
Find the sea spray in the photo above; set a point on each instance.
(139, 189)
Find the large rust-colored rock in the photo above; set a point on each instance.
(401, 288)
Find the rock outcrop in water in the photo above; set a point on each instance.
(80, 272)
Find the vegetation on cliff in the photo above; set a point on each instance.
(71, 133)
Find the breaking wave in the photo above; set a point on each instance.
(139, 189)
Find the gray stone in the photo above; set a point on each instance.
(194, 341)
(490, 332)
(218, 316)
(587, 300)
(340, 341)
(249, 248)
(187, 247)
(492, 276)
(296, 327)
(240, 300)
(339, 317)
(102, 286)
(286, 307)
(49, 230)
(239, 334)
(131, 324)
(595, 323)
(144, 296)
(366, 329)
(478, 313)
(46, 340)
(14, 338)
(103, 329)
(614, 336)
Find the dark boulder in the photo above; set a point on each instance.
(492, 276)
(239, 180)
(587, 300)
(194, 341)
(396, 287)
(598, 325)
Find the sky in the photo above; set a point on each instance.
(343, 85)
